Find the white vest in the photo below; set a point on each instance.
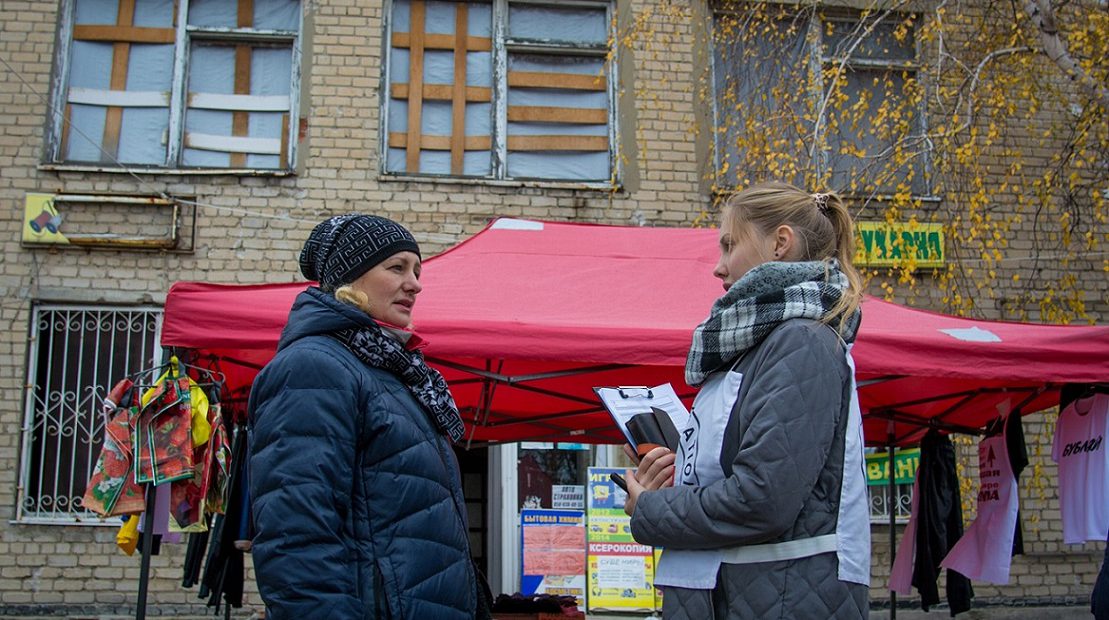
(698, 464)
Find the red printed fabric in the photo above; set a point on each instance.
(112, 489)
(163, 434)
(190, 497)
(219, 463)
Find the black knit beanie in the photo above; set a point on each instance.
(342, 248)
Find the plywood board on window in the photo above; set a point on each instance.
(443, 92)
(548, 114)
(558, 143)
(398, 140)
(543, 79)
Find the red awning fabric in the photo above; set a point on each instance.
(526, 317)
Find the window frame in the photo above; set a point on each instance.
(40, 311)
(818, 61)
(53, 157)
(878, 495)
(501, 46)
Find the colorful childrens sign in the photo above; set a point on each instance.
(620, 571)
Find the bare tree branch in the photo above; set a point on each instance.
(1043, 17)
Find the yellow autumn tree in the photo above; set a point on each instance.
(988, 118)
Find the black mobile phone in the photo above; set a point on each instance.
(619, 480)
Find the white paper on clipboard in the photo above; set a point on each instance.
(626, 402)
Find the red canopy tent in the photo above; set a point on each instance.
(526, 317)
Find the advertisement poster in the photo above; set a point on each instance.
(41, 220)
(621, 571)
(568, 497)
(552, 553)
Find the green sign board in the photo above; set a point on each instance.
(905, 463)
(892, 245)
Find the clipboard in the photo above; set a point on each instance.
(647, 416)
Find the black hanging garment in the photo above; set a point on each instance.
(939, 524)
(223, 571)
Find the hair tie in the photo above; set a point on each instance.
(821, 202)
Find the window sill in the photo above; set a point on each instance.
(51, 167)
(509, 183)
(93, 521)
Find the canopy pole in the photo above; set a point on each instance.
(892, 505)
(147, 550)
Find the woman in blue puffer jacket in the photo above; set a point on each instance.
(357, 500)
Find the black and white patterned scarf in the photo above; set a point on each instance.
(762, 299)
(377, 349)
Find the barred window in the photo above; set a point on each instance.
(191, 84)
(76, 352)
(500, 90)
(880, 504)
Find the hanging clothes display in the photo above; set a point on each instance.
(935, 525)
(165, 463)
(168, 434)
(985, 551)
(1079, 448)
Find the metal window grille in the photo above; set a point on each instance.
(880, 503)
(75, 354)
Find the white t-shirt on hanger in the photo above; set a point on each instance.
(1080, 449)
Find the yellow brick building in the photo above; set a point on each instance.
(144, 142)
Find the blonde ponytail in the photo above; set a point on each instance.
(843, 227)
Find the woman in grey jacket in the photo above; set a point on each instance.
(356, 495)
(762, 513)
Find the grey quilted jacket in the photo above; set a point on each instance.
(357, 499)
(782, 458)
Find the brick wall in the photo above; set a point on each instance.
(250, 229)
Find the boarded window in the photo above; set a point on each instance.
(500, 90)
(141, 88)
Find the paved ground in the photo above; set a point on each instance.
(984, 613)
(981, 613)
(993, 613)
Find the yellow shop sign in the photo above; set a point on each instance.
(893, 245)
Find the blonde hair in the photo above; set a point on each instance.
(821, 222)
(347, 294)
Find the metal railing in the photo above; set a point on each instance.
(880, 503)
(75, 355)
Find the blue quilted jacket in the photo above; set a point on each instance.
(357, 501)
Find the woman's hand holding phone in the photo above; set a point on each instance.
(655, 471)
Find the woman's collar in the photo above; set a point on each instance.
(406, 336)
